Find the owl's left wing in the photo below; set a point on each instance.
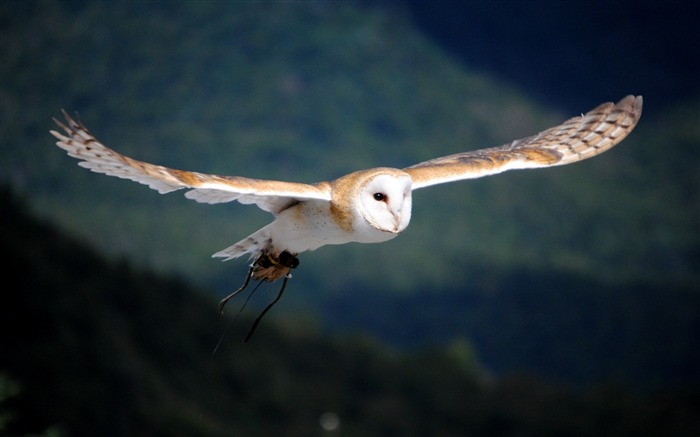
(574, 140)
(272, 196)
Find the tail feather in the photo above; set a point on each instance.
(253, 244)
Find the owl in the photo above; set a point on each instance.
(366, 206)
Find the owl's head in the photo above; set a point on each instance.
(385, 200)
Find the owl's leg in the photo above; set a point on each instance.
(289, 260)
(285, 259)
(227, 298)
(270, 305)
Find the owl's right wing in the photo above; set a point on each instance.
(271, 196)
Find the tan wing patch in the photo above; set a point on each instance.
(269, 195)
(574, 140)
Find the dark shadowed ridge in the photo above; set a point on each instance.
(91, 347)
(573, 52)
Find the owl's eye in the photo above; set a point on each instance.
(379, 196)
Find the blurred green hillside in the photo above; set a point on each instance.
(500, 289)
(309, 92)
(90, 347)
(580, 273)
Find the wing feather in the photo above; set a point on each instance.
(574, 140)
(272, 196)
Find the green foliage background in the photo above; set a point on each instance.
(310, 92)
(501, 289)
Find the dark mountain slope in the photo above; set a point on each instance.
(100, 348)
(567, 53)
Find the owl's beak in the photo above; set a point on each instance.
(397, 222)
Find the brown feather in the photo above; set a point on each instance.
(574, 140)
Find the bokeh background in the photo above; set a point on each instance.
(545, 302)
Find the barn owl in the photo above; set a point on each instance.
(367, 206)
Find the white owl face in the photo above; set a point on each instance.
(385, 202)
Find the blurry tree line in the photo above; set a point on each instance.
(91, 347)
(567, 274)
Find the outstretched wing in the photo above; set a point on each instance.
(576, 139)
(272, 196)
